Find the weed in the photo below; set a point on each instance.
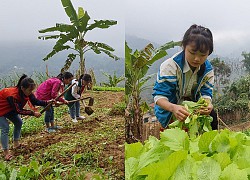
(118, 109)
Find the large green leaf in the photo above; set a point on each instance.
(50, 29)
(157, 56)
(13, 174)
(55, 50)
(101, 24)
(164, 169)
(61, 27)
(83, 19)
(71, 12)
(223, 159)
(176, 139)
(168, 45)
(221, 142)
(128, 60)
(205, 141)
(68, 29)
(209, 169)
(110, 54)
(100, 45)
(147, 52)
(81, 12)
(68, 62)
(232, 172)
(133, 150)
(183, 171)
(95, 49)
(131, 166)
(139, 63)
(242, 157)
(46, 37)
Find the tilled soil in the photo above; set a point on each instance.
(111, 152)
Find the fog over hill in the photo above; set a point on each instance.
(26, 57)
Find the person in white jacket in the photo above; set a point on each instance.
(75, 93)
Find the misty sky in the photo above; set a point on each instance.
(20, 20)
(164, 20)
(156, 20)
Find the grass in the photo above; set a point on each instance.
(102, 88)
(89, 149)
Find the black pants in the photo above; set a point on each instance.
(214, 123)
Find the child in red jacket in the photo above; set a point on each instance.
(12, 101)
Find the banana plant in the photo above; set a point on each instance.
(137, 64)
(114, 80)
(72, 36)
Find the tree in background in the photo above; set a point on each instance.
(246, 61)
(72, 36)
(222, 72)
(114, 80)
(137, 64)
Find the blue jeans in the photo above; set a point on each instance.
(49, 115)
(74, 110)
(4, 126)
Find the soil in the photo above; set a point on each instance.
(241, 126)
(111, 157)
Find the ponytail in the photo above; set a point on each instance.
(80, 78)
(65, 75)
(25, 82)
(87, 78)
(20, 80)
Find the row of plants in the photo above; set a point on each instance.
(46, 170)
(213, 155)
(12, 78)
(39, 77)
(45, 164)
(32, 125)
(104, 88)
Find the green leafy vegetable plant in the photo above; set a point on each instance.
(213, 155)
(195, 123)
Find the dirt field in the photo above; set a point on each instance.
(100, 138)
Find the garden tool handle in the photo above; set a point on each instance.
(78, 99)
(60, 95)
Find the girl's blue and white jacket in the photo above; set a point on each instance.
(171, 81)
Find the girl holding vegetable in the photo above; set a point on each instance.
(188, 75)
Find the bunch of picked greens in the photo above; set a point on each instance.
(195, 123)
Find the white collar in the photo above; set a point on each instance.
(187, 68)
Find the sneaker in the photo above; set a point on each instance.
(74, 120)
(80, 118)
(50, 130)
(56, 127)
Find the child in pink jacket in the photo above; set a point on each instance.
(48, 90)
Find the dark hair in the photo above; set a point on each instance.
(85, 77)
(65, 75)
(25, 82)
(201, 36)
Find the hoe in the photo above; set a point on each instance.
(87, 109)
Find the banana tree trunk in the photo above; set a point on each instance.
(137, 123)
(82, 63)
(134, 117)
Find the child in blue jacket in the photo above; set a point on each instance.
(186, 76)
